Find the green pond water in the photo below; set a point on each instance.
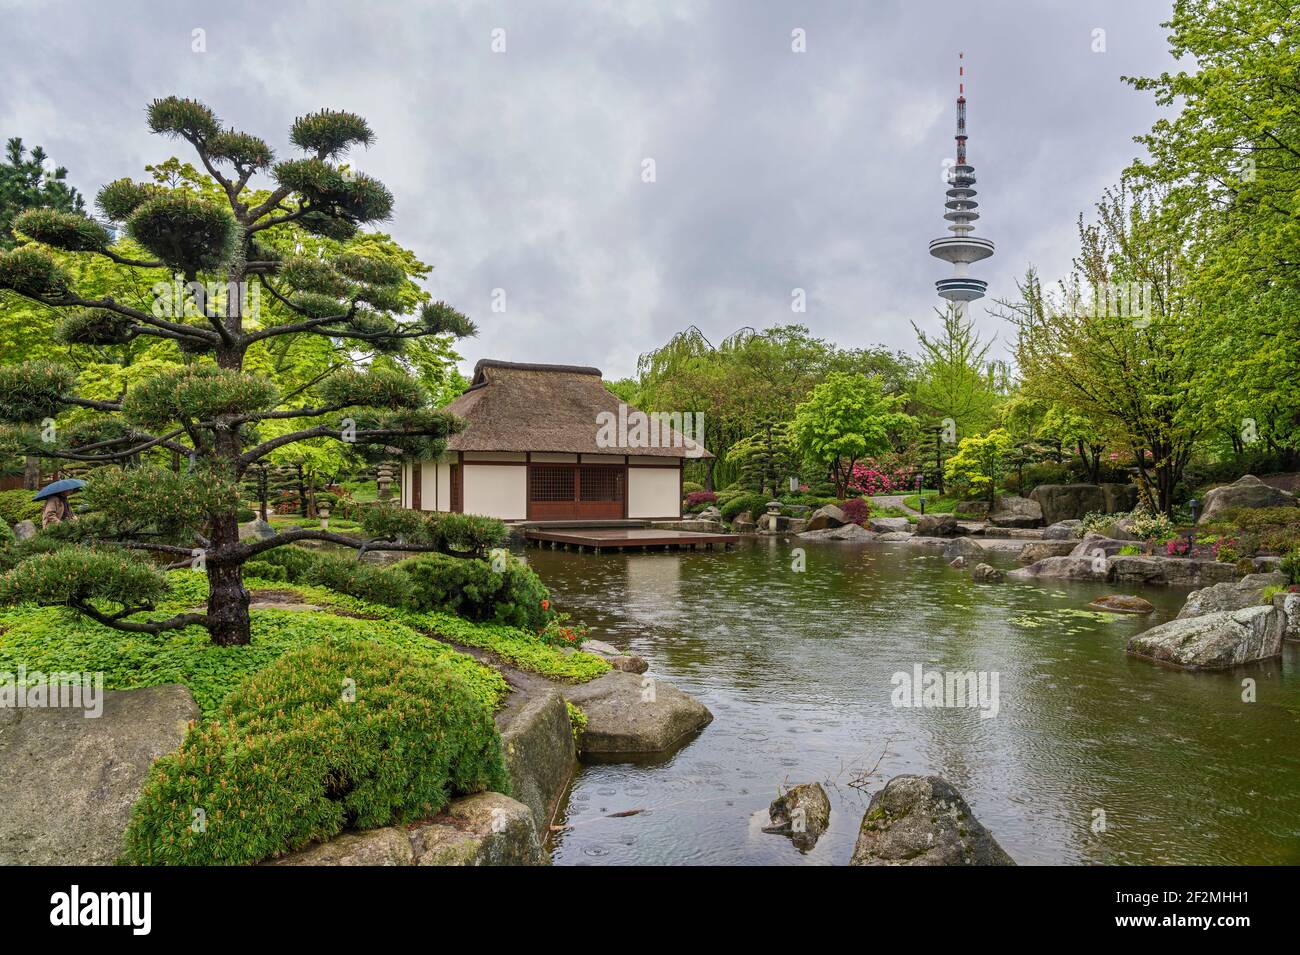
(797, 667)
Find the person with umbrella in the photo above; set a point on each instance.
(57, 509)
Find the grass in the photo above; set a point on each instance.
(934, 503)
(51, 639)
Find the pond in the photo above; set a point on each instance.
(1092, 757)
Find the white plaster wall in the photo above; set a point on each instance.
(496, 491)
(653, 492)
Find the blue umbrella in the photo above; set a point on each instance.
(58, 487)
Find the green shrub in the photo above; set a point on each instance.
(17, 506)
(245, 514)
(1291, 566)
(7, 538)
(1130, 550)
(344, 573)
(513, 595)
(351, 735)
(265, 570)
(469, 533)
(751, 501)
(689, 486)
(72, 575)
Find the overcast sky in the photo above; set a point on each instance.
(522, 170)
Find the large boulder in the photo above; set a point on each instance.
(801, 812)
(484, 829)
(923, 820)
(1288, 605)
(987, 574)
(1066, 568)
(69, 780)
(1062, 531)
(1015, 511)
(24, 531)
(256, 529)
(1247, 491)
(1064, 502)
(627, 713)
(1119, 498)
(854, 533)
(889, 525)
(1214, 641)
(826, 516)
(962, 547)
(1123, 603)
(710, 513)
(1247, 592)
(1093, 545)
(937, 525)
(895, 537)
(1174, 571)
(537, 739)
(1038, 550)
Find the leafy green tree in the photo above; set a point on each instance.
(205, 256)
(981, 462)
(1116, 347)
(846, 418)
(955, 380)
(26, 183)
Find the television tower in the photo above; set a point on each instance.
(961, 248)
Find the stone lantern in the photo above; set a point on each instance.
(384, 479)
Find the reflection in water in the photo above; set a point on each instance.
(796, 668)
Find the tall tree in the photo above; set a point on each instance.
(27, 183)
(955, 380)
(206, 256)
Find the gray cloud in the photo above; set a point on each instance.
(522, 170)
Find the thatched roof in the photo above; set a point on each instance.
(514, 406)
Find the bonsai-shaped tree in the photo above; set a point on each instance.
(207, 411)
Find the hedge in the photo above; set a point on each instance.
(505, 591)
(342, 735)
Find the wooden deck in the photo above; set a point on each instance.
(626, 538)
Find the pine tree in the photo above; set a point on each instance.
(211, 256)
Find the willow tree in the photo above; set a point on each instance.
(212, 260)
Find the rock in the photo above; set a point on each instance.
(256, 529)
(923, 820)
(1247, 491)
(803, 813)
(1247, 592)
(635, 714)
(889, 525)
(1214, 641)
(537, 740)
(1014, 533)
(971, 510)
(1062, 531)
(1015, 511)
(1266, 564)
(1037, 550)
(600, 648)
(773, 524)
(826, 516)
(895, 537)
(484, 829)
(798, 525)
(936, 525)
(1288, 604)
(1122, 530)
(629, 663)
(1066, 568)
(710, 513)
(743, 527)
(849, 532)
(69, 780)
(1065, 502)
(987, 574)
(799, 510)
(1122, 603)
(963, 547)
(688, 524)
(744, 517)
(1119, 498)
(957, 563)
(24, 530)
(1177, 571)
(1094, 543)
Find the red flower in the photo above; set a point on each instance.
(546, 605)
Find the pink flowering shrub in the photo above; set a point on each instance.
(875, 476)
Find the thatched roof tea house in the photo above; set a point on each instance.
(552, 443)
